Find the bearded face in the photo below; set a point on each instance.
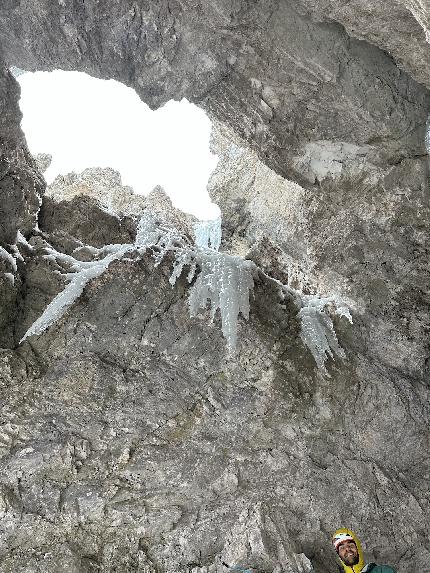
(348, 553)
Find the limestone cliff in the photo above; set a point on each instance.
(130, 440)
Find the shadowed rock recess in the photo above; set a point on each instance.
(130, 439)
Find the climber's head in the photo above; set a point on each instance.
(348, 552)
(348, 548)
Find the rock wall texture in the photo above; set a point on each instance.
(130, 441)
(269, 69)
(401, 27)
(21, 186)
(369, 244)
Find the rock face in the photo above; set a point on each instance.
(409, 44)
(368, 245)
(21, 186)
(270, 70)
(130, 440)
(104, 185)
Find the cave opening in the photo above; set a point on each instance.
(84, 122)
(129, 439)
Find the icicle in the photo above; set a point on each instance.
(83, 272)
(192, 272)
(9, 258)
(208, 234)
(317, 330)
(184, 257)
(225, 281)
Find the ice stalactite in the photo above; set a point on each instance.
(6, 256)
(316, 325)
(317, 330)
(226, 282)
(81, 272)
(11, 259)
(223, 280)
(208, 233)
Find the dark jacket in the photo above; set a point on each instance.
(372, 567)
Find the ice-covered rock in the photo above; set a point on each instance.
(129, 440)
(79, 275)
(224, 281)
(208, 233)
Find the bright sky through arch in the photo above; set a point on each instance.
(86, 122)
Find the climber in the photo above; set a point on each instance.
(349, 550)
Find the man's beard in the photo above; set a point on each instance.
(351, 559)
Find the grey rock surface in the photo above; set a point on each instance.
(269, 69)
(43, 161)
(368, 245)
(125, 448)
(130, 441)
(135, 443)
(399, 27)
(83, 219)
(21, 186)
(104, 186)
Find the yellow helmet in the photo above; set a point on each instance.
(345, 534)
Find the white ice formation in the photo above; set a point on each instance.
(148, 232)
(427, 135)
(208, 233)
(222, 279)
(6, 256)
(81, 272)
(11, 258)
(317, 330)
(225, 281)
